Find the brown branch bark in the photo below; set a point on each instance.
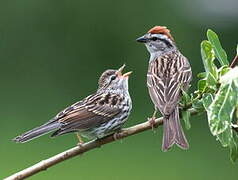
(45, 164)
(234, 62)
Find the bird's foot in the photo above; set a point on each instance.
(116, 136)
(152, 119)
(80, 144)
(152, 122)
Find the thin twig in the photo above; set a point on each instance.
(234, 62)
(45, 164)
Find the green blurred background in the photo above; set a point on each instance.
(52, 53)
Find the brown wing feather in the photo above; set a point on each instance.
(166, 76)
(90, 112)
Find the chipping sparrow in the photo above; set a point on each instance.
(168, 72)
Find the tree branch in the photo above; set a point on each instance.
(45, 164)
(234, 62)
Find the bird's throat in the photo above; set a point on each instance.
(154, 55)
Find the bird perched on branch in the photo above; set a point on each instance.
(169, 72)
(96, 116)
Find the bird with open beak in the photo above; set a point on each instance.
(98, 115)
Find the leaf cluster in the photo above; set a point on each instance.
(217, 94)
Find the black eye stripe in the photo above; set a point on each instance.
(154, 38)
(163, 40)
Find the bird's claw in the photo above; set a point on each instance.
(80, 144)
(116, 136)
(152, 122)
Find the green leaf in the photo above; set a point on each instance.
(229, 103)
(186, 116)
(230, 76)
(225, 137)
(202, 84)
(185, 96)
(223, 70)
(207, 99)
(202, 75)
(237, 112)
(197, 104)
(211, 81)
(216, 45)
(220, 112)
(208, 57)
(234, 148)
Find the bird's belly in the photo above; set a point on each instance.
(106, 128)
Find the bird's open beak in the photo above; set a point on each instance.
(127, 74)
(142, 39)
(119, 72)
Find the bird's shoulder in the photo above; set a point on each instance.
(102, 104)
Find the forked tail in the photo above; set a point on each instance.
(173, 132)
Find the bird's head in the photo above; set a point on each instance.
(158, 39)
(114, 79)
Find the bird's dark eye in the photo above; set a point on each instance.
(113, 77)
(154, 38)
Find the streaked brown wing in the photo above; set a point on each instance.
(166, 76)
(90, 112)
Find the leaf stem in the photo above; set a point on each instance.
(234, 62)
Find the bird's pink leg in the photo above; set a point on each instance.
(80, 143)
(152, 119)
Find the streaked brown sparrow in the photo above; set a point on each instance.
(168, 72)
(96, 116)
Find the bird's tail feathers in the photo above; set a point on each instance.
(37, 132)
(173, 132)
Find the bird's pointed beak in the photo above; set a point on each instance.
(142, 39)
(119, 72)
(127, 74)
